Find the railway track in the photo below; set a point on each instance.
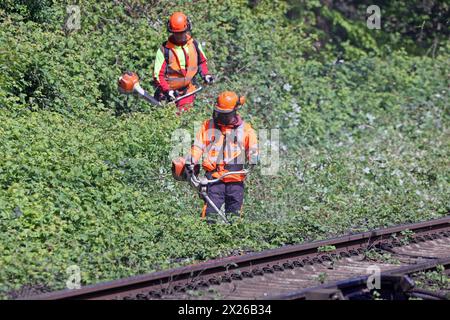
(337, 268)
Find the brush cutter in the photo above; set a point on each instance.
(129, 83)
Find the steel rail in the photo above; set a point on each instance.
(111, 289)
(360, 282)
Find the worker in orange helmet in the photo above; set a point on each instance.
(177, 62)
(226, 143)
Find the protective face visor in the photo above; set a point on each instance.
(180, 37)
(224, 118)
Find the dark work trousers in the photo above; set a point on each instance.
(231, 194)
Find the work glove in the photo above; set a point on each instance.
(209, 79)
(172, 95)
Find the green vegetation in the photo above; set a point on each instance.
(436, 281)
(406, 236)
(326, 248)
(85, 172)
(322, 277)
(380, 256)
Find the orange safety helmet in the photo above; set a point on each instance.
(228, 101)
(178, 22)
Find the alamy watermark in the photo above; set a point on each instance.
(374, 19)
(74, 279)
(73, 20)
(374, 279)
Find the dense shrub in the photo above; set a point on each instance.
(417, 26)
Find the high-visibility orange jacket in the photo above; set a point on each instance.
(225, 148)
(176, 65)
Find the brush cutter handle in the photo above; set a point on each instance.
(227, 174)
(203, 181)
(187, 95)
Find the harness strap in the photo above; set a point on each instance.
(198, 51)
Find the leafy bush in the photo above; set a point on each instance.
(417, 26)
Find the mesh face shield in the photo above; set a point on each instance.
(180, 37)
(224, 118)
